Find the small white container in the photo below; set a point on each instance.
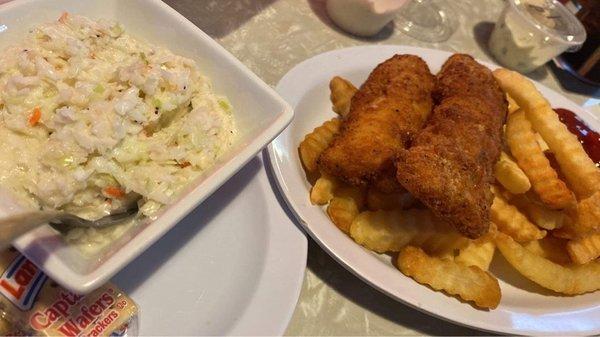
(363, 17)
(531, 32)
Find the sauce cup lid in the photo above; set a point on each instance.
(553, 19)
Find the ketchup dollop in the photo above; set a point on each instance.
(589, 138)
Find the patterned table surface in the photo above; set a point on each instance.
(270, 37)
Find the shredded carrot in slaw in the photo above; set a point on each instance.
(63, 17)
(35, 116)
(114, 192)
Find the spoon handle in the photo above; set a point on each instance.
(13, 226)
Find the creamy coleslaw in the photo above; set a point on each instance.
(92, 119)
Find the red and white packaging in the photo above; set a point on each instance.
(31, 304)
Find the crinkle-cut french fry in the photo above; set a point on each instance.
(422, 236)
(377, 200)
(512, 222)
(342, 212)
(569, 280)
(443, 242)
(432, 237)
(588, 212)
(342, 92)
(358, 194)
(316, 142)
(541, 142)
(509, 220)
(477, 253)
(510, 175)
(544, 217)
(580, 171)
(447, 255)
(551, 248)
(539, 214)
(470, 283)
(389, 231)
(323, 190)
(545, 182)
(564, 232)
(584, 249)
(585, 217)
(345, 206)
(512, 105)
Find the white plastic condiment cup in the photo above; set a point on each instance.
(531, 32)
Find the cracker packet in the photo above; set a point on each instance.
(31, 304)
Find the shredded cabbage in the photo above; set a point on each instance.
(121, 120)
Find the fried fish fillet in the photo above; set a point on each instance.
(449, 165)
(385, 113)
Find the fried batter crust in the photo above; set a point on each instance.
(385, 113)
(449, 166)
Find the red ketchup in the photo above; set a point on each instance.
(589, 138)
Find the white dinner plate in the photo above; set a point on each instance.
(233, 266)
(525, 308)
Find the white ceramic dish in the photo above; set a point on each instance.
(525, 308)
(259, 112)
(231, 267)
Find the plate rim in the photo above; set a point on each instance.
(295, 209)
(271, 303)
(246, 323)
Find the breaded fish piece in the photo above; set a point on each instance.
(385, 113)
(449, 166)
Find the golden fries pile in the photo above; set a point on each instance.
(546, 228)
(569, 207)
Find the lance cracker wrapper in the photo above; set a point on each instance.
(32, 304)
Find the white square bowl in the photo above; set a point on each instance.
(259, 112)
